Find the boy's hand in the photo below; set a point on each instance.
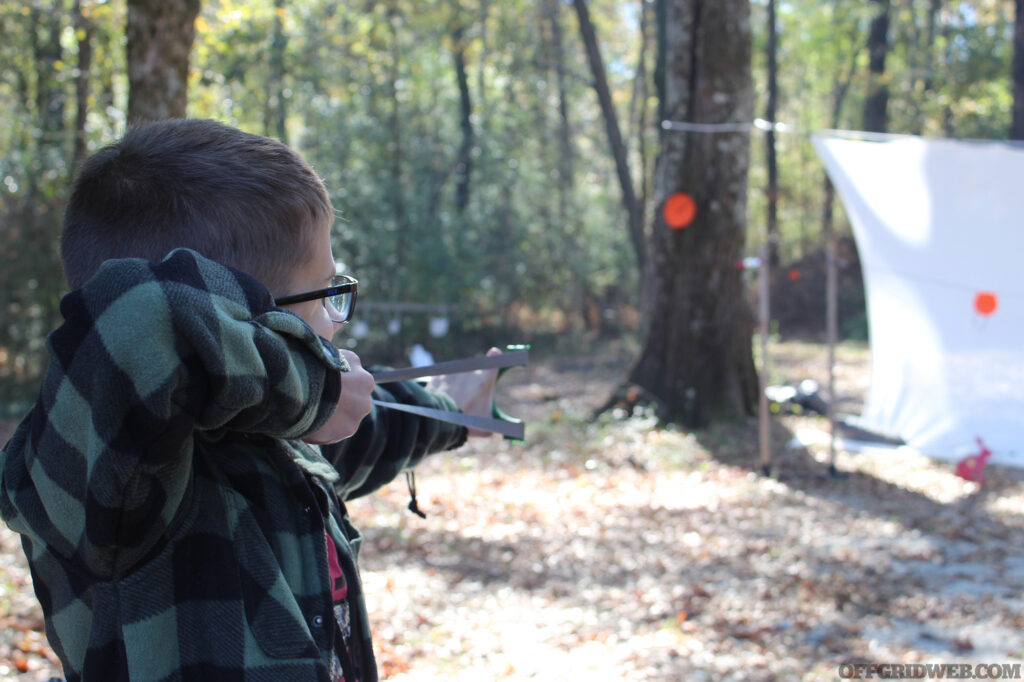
(353, 405)
(473, 392)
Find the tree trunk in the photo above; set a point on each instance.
(50, 98)
(464, 163)
(83, 30)
(828, 203)
(275, 115)
(640, 109)
(876, 105)
(921, 60)
(1017, 126)
(934, 6)
(160, 35)
(37, 212)
(566, 152)
(770, 152)
(396, 152)
(839, 91)
(697, 358)
(481, 67)
(634, 212)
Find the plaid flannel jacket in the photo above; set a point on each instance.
(173, 525)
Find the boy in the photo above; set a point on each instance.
(179, 483)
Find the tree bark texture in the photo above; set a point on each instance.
(567, 152)
(50, 94)
(634, 212)
(159, 36)
(697, 357)
(1017, 125)
(275, 115)
(876, 105)
(772, 191)
(83, 30)
(640, 109)
(839, 92)
(396, 148)
(464, 163)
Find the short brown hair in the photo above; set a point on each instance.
(243, 200)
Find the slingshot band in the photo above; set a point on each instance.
(508, 429)
(510, 359)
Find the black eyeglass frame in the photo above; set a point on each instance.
(347, 285)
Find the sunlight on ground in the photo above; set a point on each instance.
(548, 572)
(900, 466)
(494, 634)
(614, 550)
(1008, 504)
(611, 550)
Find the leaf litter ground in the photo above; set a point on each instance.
(611, 550)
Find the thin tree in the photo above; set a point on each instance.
(840, 89)
(464, 163)
(771, 108)
(566, 150)
(159, 42)
(1017, 126)
(639, 107)
(461, 167)
(83, 30)
(396, 147)
(50, 96)
(876, 105)
(921, 62)
(275, 112)
(634, 210)
(697, 360)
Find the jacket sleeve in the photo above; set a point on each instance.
(148, 356)
(389, 442)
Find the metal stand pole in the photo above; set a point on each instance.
(763, 413)
(832, 326)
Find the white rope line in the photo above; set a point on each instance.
(779, 127)
(863, 135)
(735, 127)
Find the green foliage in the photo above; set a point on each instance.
(369, 93)
(373, 103)
(950, 78)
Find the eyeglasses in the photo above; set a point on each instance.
(339, 298)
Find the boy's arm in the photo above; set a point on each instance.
(148, 355)
(355, 404)
(389, 442)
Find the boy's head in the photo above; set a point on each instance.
(243, 200)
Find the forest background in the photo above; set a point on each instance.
(467, 154)
(468, 149)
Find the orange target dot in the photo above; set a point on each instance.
(679, 210)
(794, 274)
(985, 302)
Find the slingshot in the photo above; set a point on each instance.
(499, 422)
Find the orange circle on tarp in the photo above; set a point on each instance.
(794, 274)
(985, 302)
(679, 210)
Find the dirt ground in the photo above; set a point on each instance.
(610, 550)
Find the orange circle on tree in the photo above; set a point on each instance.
(679, 210)
(985, 302)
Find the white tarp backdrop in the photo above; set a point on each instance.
(939, 226)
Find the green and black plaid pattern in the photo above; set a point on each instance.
(174, 528)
